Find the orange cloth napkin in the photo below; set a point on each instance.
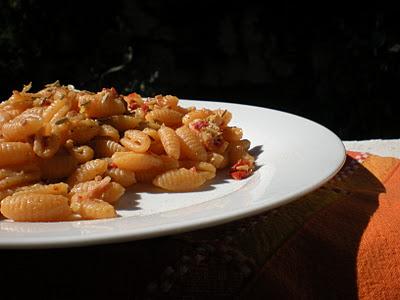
(348, 247)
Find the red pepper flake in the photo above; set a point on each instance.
(241, 169)
(238, 175)
(200, 124)
(45, 102)
(133, 106)
(130, 97)
(241, 162)
(144, 107)
(113, 165)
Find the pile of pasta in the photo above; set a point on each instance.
(67, 154)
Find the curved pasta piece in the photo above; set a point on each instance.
(157, 147)
(59, 117)
(206, 169)
(123, 122)
(46, 146)
(152, 133)
(7, 115)
(35, 112)
(106, 148)
(170, 142)
(89, 189)
(136, 161)
(88, 171)
(167, 101)
(147, 176)
(180, 180)
(36, 207)
(6, 193)
(15, 178)
(136, 140)
(133, 100)
(165, 115)
(232, 134)
(22, 126)
(60, 188)
(110, 192)
(219, 161)
(113, 192)
(82, 153)
(109, 132)
(195, 114)
(237, 150)
(124, 177)
(92, 209)
(224, 117)
(191, 146)
(84, 131)
(15, 153)
(103, 104)
(19, 100)
(182, 110)
(83, 187)
(62, 130)
(51, 111)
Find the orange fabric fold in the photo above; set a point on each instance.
(348, 249)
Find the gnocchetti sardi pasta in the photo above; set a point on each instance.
(67, 154)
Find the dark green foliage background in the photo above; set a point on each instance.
(338, 67)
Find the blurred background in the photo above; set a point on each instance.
(340, 68)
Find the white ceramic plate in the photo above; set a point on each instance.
(294, 157)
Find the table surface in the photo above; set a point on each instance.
(376, 146)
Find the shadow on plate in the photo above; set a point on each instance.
(256, 152)
(130, 200)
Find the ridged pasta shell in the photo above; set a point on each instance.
(191, 145)
(136, 161)
(179, 180)
(36, 207)
(15, 153)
